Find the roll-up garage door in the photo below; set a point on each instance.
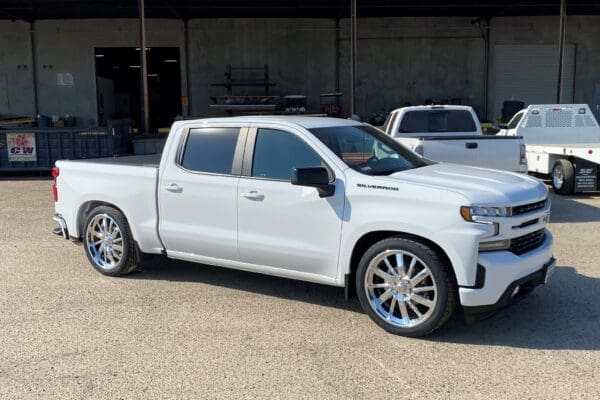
(529, 73)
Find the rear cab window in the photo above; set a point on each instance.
(426, 121)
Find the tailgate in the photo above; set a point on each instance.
(496, 152)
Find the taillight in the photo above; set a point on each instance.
(55, 173)
(523, 155)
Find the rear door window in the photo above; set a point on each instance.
(210, 150)
(424, 121)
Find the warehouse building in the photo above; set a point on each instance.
(81, 59)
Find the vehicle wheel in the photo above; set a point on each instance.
(405, 287)
(563, 177)
(108, 242)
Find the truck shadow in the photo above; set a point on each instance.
(572, 209)
(180, 271)
(563, 315)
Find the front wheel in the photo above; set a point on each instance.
(405, 287)
(108, 243)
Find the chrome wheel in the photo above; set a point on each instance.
(104, 241)
(558, 178)
(400, 288)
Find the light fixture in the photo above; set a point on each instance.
(481, 211)
(494, 245)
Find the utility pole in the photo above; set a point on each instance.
(353, 39)
(561, 50)
(34, 73)
(145, 126)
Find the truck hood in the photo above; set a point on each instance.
(479, 185)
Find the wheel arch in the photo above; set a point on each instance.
(370, 238)
(85, 209)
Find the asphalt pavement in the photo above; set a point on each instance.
(181, 330)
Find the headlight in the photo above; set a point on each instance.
(477, 211)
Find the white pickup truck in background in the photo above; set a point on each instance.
(452, 134)
(325, 200)
(562, 142)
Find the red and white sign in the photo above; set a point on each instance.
(21, 146)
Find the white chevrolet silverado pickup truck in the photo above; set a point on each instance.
(453, 134)
(325, 200)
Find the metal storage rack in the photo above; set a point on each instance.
(231, 102)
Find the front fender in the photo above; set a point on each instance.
(420, 211)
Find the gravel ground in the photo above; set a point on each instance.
(179, 330)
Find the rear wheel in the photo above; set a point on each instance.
(404, 286)
(563, 177)
(108, 243)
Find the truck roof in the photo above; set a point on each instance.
(306, 122)
(550, 105)
(435, 107)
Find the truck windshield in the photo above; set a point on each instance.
(437, 121)
(368, 150)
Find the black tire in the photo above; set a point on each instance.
(128, 260)
(444, 299)
(564, 169)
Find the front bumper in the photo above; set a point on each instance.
(501, 269)
(515, 291)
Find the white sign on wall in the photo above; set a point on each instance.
(21, 147)
(64, 79)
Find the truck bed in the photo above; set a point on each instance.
(150, 160)
(585, 151)
(464, 137)
(568, 146)
(496, 152)
(129, 183)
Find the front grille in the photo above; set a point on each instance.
(525, 243)
(527, 223)
(525, 208)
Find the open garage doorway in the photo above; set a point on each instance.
(118, 84)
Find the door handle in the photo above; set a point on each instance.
(174, 188)
(253, 195)
(471, 145)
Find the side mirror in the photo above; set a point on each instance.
(317, 177)
(503, 126)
